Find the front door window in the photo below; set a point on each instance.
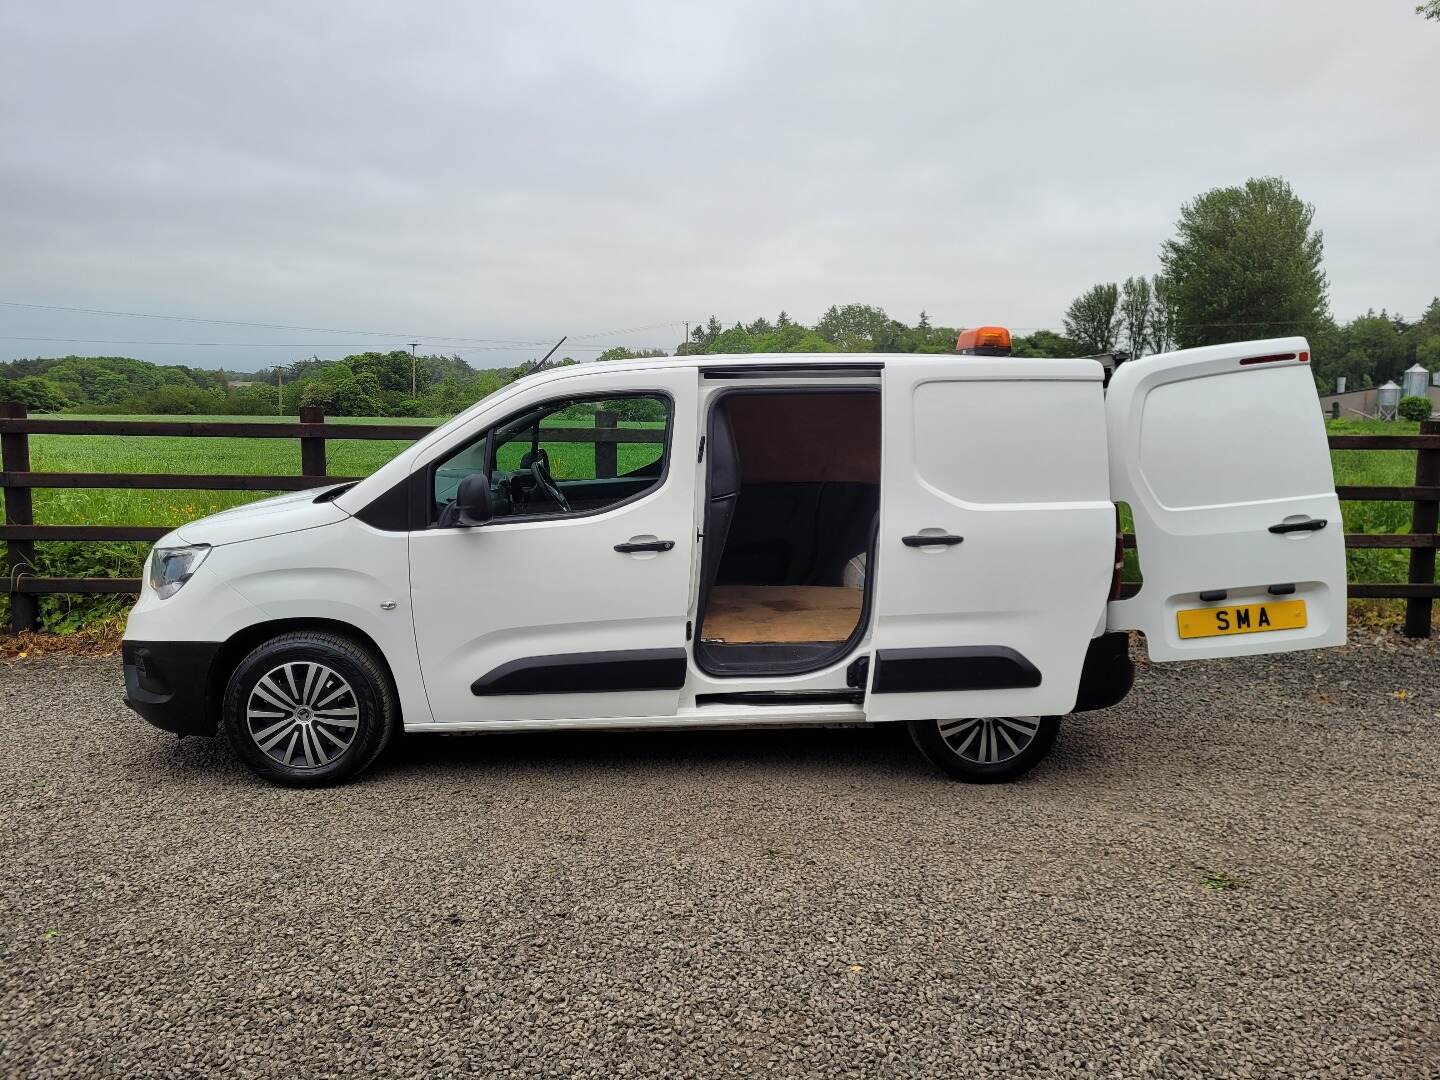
(565, 457)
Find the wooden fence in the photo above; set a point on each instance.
(20, 532)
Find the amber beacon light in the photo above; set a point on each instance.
(983, 341)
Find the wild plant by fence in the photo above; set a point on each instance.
(20, 532)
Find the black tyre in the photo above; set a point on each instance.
(308, 709)
(990, 750)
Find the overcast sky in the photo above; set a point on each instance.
(518, 171)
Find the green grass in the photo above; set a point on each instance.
(164, 454)
(1221, 881)
(1375, 468)
(154, 454)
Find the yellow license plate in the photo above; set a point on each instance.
(1241, 619)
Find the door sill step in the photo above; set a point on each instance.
(783, 698)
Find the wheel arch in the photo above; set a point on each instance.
(242, 642)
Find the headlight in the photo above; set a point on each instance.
(170, 568)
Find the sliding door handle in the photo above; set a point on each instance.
(1309, 525)
(938, 540)
(645, 545)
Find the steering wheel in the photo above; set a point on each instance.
(540, 470)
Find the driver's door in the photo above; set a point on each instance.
(547, 613)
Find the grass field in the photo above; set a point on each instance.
(108, 453)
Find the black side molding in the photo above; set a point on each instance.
(783, 697)
(586, 673)
(963, 667)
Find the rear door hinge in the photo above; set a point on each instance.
(857, 675)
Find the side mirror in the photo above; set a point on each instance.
(473, 500)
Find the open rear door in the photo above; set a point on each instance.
(1221, 454)
(997, 536)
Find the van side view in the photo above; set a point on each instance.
(775, 540)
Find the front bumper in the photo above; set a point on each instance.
(168, 683)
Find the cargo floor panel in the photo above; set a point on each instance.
(780, 614)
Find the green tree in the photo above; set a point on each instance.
(1044, 343)
(340, 391)
(1245, 263)
(37, 394)
(1164, 323)
(1136, 308)
(254, 399)
(1092, 320)
(1427, 354)
(620, 352)
(859, 328)
(1375, 338)
(1430, 9)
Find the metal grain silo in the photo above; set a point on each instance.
(1415, 380)
(1387, 397)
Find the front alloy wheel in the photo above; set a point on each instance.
(302, 715)
(988, 749)
(309, 708)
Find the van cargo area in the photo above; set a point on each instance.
(794, 495)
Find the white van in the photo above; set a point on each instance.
(788, 539)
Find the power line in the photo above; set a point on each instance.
(629, 330)
(262, 325)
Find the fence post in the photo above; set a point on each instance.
(607, 458)
(1335, 410)
(312, 447)
(1423, 519)
(19, 554)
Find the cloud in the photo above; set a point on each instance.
(523, 170)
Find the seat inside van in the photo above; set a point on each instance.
(794, 494)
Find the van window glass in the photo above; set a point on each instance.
(565, 457)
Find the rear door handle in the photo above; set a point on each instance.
(1310, 525)
(645, 545)
(938, 540)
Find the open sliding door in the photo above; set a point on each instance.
(996, 540)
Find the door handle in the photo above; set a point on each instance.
(1309, 525)
(645, 545)
(938, 540)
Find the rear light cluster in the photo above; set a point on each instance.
(1119, 561)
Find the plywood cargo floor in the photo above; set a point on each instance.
(780, 614)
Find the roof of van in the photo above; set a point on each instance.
(738, 360)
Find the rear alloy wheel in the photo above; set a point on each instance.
(308, 709)
(986, 750)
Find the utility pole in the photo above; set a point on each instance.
(412, 344)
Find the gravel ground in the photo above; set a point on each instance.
(693, 904)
